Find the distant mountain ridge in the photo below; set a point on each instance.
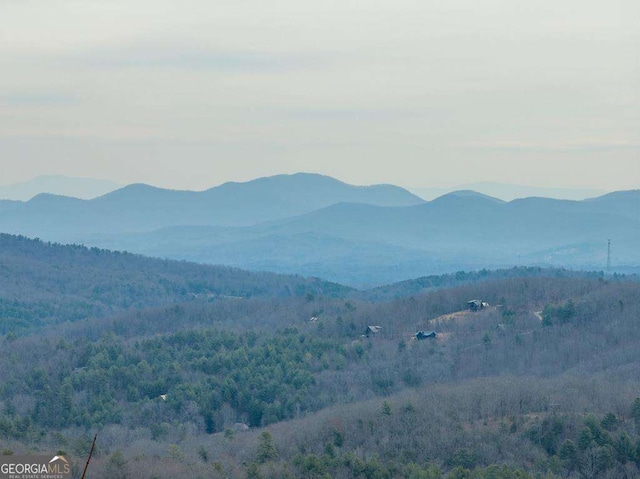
(316, 225)
(85, 188)
(363, 244)
(140, 208)
(508, 192)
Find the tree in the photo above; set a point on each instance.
(174, 452)
(116, 466)
(624, 448)
(569, 454)
(266, 448)
(609, 421)
(253, 471)
(204, 455)
(585, 439)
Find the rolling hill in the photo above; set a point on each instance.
(43, 283)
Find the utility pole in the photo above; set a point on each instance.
(608, 256)
(93, 445)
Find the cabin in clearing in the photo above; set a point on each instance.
(477, 305)
(420, 335)
(372, 331)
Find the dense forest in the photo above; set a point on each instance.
(268, 376)
(43, 283)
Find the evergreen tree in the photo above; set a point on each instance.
(569, 454)
(266, 448)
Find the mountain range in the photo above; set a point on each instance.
(508, 192)
(316, 225)
(89, 188)
(141, 208)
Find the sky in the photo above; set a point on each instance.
(420, 93)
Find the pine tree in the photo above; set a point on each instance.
(266, 448)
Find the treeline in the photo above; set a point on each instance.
(428, 283)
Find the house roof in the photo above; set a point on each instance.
(426, 334)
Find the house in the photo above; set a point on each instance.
(420, 335)
(477, 305)
(372, 330)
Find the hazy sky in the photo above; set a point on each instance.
(418, 93)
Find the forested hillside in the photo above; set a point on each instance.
(425, 284)
(541, 383)
(43, 283)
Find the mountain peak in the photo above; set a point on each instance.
(60, 185)
(316, 190)
(47, 198)
(132, 191)
(468, 194)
